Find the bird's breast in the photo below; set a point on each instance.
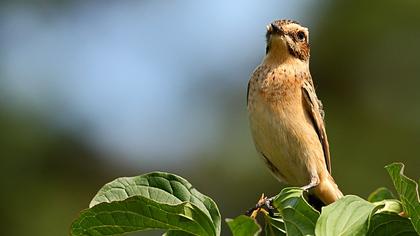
(278, 124)
(276, 87)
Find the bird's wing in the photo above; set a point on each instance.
(315, 111)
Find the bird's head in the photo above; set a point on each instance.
(287, 39)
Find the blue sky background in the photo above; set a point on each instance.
(134, 76)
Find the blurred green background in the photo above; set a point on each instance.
(90, 91)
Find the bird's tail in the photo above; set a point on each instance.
(327, 191)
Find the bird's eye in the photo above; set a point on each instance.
(301, 35)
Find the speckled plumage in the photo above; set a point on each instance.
(286, 117)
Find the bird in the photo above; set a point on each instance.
(285, 115)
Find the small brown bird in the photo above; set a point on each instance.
(286, 117)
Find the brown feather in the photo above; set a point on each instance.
(315, 111)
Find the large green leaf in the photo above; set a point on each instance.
(243, 225)
(390, 224)
(140, 213)
(299, 217)
(408, 191)
(347, 216)
(160, 187)
(150, 201)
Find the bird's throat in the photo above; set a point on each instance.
(278, 52)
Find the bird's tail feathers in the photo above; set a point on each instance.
(327, 191)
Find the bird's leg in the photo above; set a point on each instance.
(264, 201)
(314, 182)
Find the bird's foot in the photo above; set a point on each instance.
(306, 188)
(263, 202)
(314, 182)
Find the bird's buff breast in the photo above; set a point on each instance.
(280, 129)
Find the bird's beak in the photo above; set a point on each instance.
(274, 29)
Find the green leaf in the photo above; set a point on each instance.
(274, 226)
(389, 205)
(243, 225)
(152, 201)
(390, 224)
(299, 217)
(160, 187)
(140, 213)
(380, 194)
(408, 191)
(347, 216)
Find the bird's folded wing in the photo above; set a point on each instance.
(314, 108)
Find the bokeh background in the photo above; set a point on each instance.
(90, 91)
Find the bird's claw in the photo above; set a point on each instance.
(306, 188)
(264, 201)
